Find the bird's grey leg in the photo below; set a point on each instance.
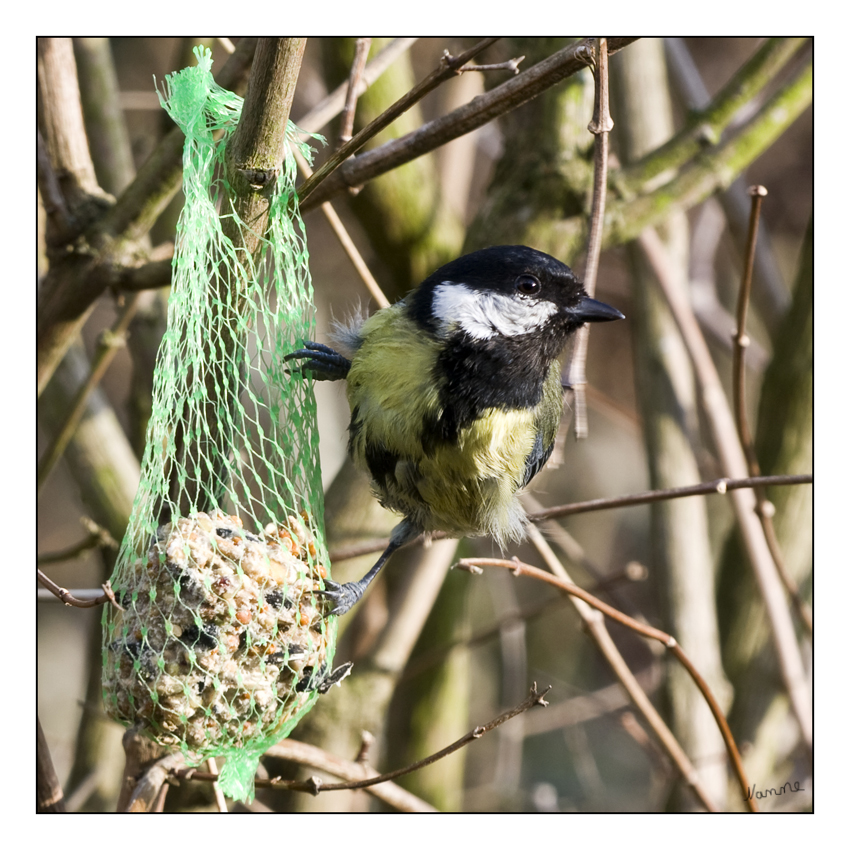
(345, 596)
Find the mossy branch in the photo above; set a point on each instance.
(713, 169)
(706, 126)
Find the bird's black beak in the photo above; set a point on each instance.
(591, 310)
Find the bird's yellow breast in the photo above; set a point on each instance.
(465, 486)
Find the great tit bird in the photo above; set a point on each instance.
(455, 393)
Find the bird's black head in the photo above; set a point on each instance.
(509, 292)
(502, 316)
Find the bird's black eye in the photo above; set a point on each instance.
(527, 284)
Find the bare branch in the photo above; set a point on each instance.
(361, 52)
(51, 195)
(719, 487)
(448, 68)
(220, 800)
(153, 274)
(600, 126)
(764, 507)
(347, 242)
(61, 118)
(150, 789)
(511, 65)
(68, 598)
(465, 119)
(316, 758)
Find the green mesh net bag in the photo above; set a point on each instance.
(222, 644)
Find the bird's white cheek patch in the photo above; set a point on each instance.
(484, 314)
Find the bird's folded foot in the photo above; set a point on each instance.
(321, 361)
(343, 596)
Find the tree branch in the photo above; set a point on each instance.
(108, 344)
(465, 119)
(361, 53)
(600, 126)
(448, 68)
(714, 168)
(764, 508)
(705, 127)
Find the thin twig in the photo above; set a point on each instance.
(519, 568)
(367, 741)
(361, 52)
(589, 706)
(68, 598)
(448, 68)
(313, 757)
(733, 463)
(108, 344)
(764, 507)
(347, 242)
(600, 125)
(331, 106)
(741, 340)
(509, 65)
(315, 785)
(719, 486)
(83, 594)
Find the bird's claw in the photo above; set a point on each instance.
(323, 363)
(345, 596)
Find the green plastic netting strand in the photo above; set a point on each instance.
(222, 642)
